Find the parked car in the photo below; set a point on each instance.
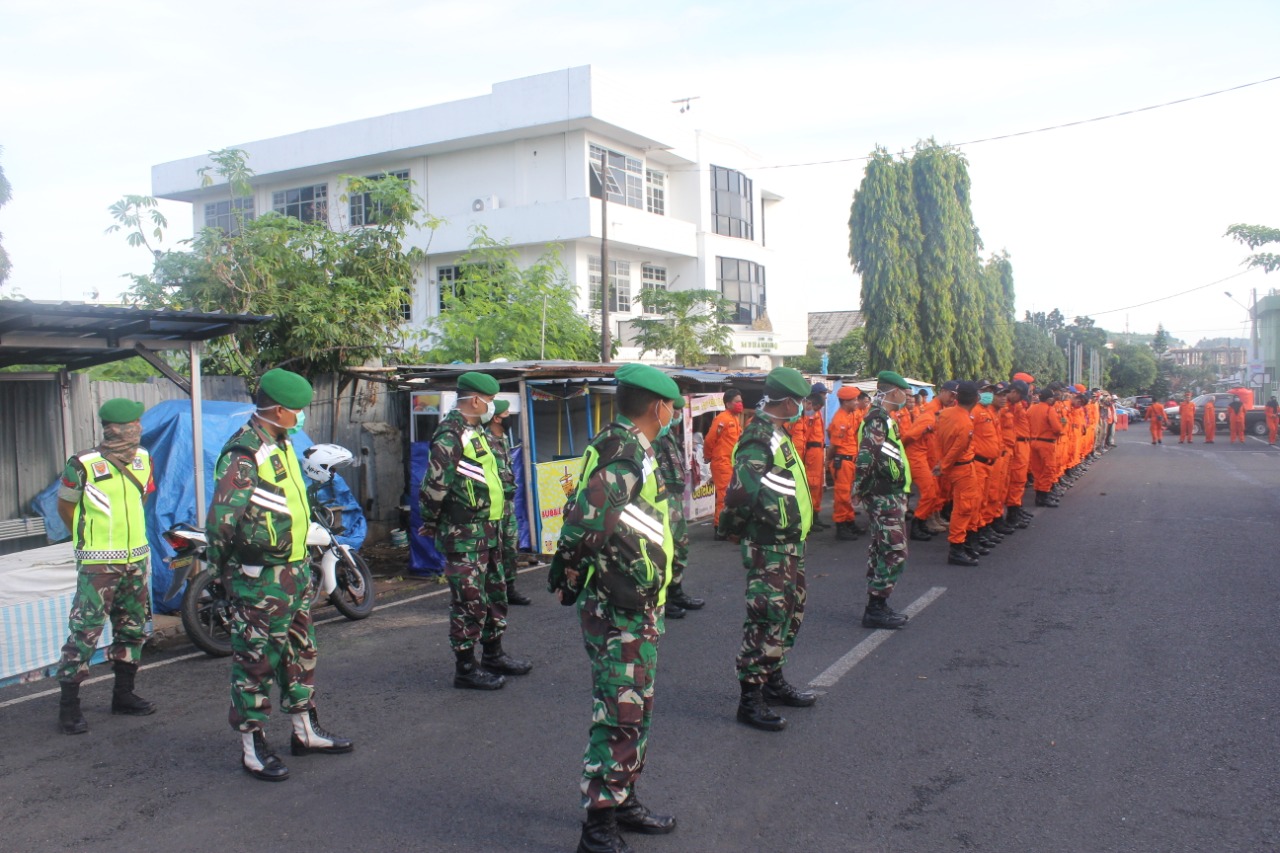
(1140, 403)
(1255, 419)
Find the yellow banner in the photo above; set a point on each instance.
(557, 482)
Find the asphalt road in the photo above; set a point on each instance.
(1105, 681)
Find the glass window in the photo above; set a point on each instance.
(363, 209)
(622, 175)
(227, 215)
(655, 197)
(619, 285)
(742, 284)
(731, 203)
(653, 278)
(308, 204)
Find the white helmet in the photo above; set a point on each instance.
(319, 461)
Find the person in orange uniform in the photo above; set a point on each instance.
(1157, 421)
(916, 431)
(809, 436)
(842, 455)
(955, 467)
(717, 447)
(998, 484)
(1235, 420)
(1186, 419)
(1045, 425)
(986, 456)
(1015, 422)
(1210, 420)
(1273, 420)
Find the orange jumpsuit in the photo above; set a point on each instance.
(1210, 422)
(1186, 421)
(1235, 421)
(956, 463)
(807, 436)
(1020, 427)
(843, 432)
(1044, 425)
(1063, 408)
(722, 437)
(1156, 418)
(1273, 423)
(986, 455)
(916, 437)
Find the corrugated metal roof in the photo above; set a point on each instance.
(828, 327)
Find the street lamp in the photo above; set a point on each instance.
(1253, 333)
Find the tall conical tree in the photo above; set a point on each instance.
(884, 242)
(998, 316)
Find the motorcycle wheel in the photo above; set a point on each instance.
(206, 614)
(354, 595)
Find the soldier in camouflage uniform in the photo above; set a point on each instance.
(767, 505)
(508, 530)
(461, 501)
(614, 560)
(670, 452)
(884, 482)
(257, 530)
(100, 500)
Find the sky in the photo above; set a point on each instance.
(1108, 219)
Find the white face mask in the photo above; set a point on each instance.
(490, 410)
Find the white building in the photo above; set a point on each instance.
(686, 211)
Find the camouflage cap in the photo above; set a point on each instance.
(786, 382)
(649, 378)
(478, 383)
(893, 378)
(286, 388)
(120, 411)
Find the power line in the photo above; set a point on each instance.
(1170, 296)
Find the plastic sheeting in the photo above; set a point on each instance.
(167, 436)
(424, 559)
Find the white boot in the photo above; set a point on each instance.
(308, 736)
(259, 760)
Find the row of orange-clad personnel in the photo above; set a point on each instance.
(970, 447)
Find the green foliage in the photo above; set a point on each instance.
(1051, 322)
(849, 355)
(692, 323)
(336, 296)
(6, 193)
(1035, 352)
(1083, 330)
(497, 309)
(998, 315)
(1160, 343)
(1255, 236)
(1132, 369)
(129, 212)
(810, 362)
(1161, 387)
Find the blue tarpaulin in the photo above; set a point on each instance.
(166, 434)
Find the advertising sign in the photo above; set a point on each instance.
(557, 481)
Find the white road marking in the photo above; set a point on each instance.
(100, 678)
(840, 668)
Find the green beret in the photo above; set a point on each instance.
(786, 382)
(120, 411)
(893, 379)
(679, 401)
(500, 407)
(650, 379)
(480, 383)
(286, 388)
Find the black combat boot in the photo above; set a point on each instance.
(600, 833)
(753, 711)
(880, 615)
(308, 736)
(673, 611)
(515, 596)
(846, 531)
(974, 546)
(1046, 499)
(777, 691)
(70, 720)
(676, 595)
(468, 675)
(123, 699)
(919, 532)
(1024, 515)
(1003, 527)
(1013, 518)
(988, 537)
(958, 556)
(497, 661)
(258, 759)
(635, 816)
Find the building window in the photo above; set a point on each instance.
(226, 216)
(742, 285)
(653, 278)
(655, 191)
(448, 283)
(731, 203)
(619, 285)
(624, 176)
(364, 210)
(307, 204)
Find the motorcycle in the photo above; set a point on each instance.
(337, 572)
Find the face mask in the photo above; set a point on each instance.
(799, 411)
(490, 409)
(986, 397)
(664, 429)
(736, 407)
(297, 427)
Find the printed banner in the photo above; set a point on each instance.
(557, 481)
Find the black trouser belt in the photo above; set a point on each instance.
(813, 444)
(844, 456)
(984, 460)
(1020, 438)
(1050, 440)
(965, 462)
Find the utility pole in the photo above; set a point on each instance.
(606, 345)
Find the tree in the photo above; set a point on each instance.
(1132, 368)
(884, 245)
(1160, 343)
(6, 193)
(1035, 352)
(499, 310)
(1255, 236)
(1051, 322)
(998, 315)
(691, 324)
(336, 295)
(810, 362)
(848, 355)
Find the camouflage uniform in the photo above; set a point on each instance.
(614, 557)
(768, 504)
(508, 530)
(257, 524)
(670, 456)
(884, 482)
(111, 576)
(461, 501)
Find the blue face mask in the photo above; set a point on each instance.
(986, 397)
(297, 427)
(665, 429)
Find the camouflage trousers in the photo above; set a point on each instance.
(272, 642)
(509, 544)
(775, 608)
(622, 646)
(680, 536)
(478, 605)
(115, 591)
(887, 553)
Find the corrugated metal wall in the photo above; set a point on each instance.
(30, 449)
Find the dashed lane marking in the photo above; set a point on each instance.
(841, 668)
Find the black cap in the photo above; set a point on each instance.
(967, 392)
(1003, 387)
(952, 385)
(819, 388)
